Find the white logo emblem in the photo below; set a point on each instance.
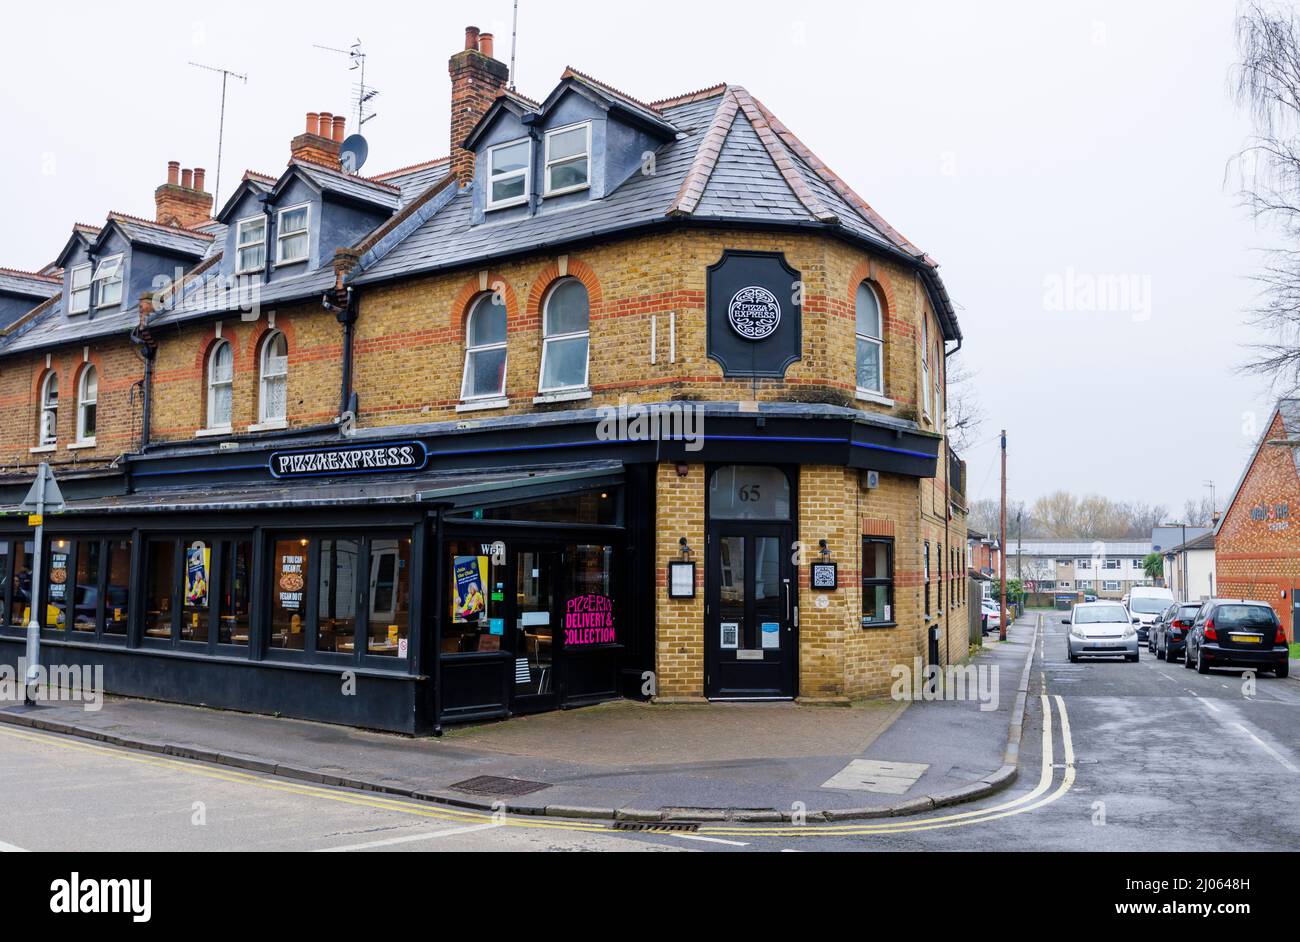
(755, 313)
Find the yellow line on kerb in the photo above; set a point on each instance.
(283, 786)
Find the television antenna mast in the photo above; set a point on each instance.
(226, 76)
(363, 94)
(514, 42)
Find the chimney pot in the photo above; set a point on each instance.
(340, 127)
(471, 38)
(200, 176)
(485, 45)
(313, 123)
(173, 172)
(326, 123)
(187, 179)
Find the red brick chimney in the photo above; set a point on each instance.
(477, 80)
(181, 201)
(320, 142)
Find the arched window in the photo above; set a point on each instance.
(221, 378)
(871, 343)
(925, 364)
(273, 372)
(87, 402)
(49, 423)
(485, 350)
(566, 337)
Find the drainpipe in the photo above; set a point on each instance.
(342, 303)
(947, 510)
(148, 350)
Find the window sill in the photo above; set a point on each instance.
(214, 432)
(865, 395)
(43, 449)
(872, 625)
(572, 395)
(82, 445)
(484, 405)
(565, 191)
(274, 425)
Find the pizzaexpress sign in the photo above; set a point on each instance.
(386, 458)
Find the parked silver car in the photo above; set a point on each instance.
(1101, 629)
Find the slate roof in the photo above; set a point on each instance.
(47, 327)
(1203, 542)
(359, 189)
(190, 242)
(733, 162)
(28, 284)
(415, 180)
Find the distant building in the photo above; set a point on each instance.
(1104, 569)
(1166, 537)
(1189, 569)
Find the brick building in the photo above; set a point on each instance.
(1256, 545)
(619, 399)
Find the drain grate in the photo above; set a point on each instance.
(652, 827)
(493, 786)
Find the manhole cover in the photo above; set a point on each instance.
(656, 828)
(493, 786)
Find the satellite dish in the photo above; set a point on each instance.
(353, 153)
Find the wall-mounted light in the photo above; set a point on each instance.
(683, 470)
(825, 548)
(685, 549)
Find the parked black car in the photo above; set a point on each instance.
(1237, 633)
(1169, 633)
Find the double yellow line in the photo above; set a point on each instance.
(1038, 798)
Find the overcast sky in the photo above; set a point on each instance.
(1065, 162)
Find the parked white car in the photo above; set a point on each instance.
(1101, 629)
(992, 615)
(1145, 605)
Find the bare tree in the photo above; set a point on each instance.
(965, 413)
(1266, 83)
(1198, 513)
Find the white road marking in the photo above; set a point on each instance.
(706, 840)
(11, 848)
(1210, 704)
(411, 838)
(1269, 749)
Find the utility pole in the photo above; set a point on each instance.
(44, 495)
(1002, 631)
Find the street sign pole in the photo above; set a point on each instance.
(43, 496)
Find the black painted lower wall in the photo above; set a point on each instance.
(391, 703)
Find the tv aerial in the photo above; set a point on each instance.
(362, 94)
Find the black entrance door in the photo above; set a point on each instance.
(751, 643)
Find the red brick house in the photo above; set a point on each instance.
(1257, 543)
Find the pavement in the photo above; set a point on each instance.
(626, 761)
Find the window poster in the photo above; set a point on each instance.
(470, 575)
(771, 636)
(292, 582)
(58, 574)
(198, 563)
(730, 636)
(588, 620)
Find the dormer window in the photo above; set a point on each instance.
(79, 295)
(250, 250)
(509, 173)
(109, 278)
(291, 239)
(568, 159)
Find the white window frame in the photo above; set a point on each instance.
(113, 276)
(44, 440)
(1110, 585)
(264, 376)
(73, 307)
(280, 235)
(878, 341)
(526, 172)
(575, 335)
(239, 249)
(548, 164)
(83, 402)
(925, 365)
(213, 384)
(1083, 564)
(478, 305)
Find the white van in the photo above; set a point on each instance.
(1145, 605)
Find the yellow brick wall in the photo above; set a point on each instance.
(315, 343)
(679, 634)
